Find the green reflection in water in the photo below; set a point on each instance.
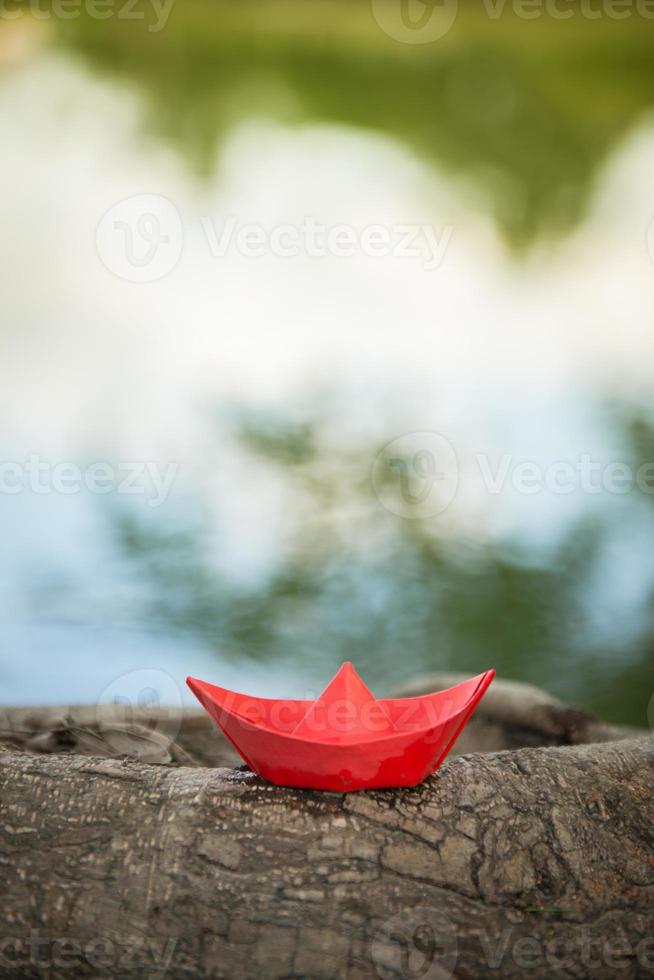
(526, 110)
(397, 597)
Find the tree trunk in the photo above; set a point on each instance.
(537, 862)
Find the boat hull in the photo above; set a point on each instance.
(427, 729)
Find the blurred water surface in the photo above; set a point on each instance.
(289, 539)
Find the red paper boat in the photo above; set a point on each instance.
(346, 739)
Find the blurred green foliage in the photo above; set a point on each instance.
(525, 110)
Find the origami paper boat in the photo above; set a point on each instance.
(346, 739)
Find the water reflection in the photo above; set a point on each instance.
(274, 383)
(400, 596)
(523, 112)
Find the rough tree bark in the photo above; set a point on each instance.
(531, 862)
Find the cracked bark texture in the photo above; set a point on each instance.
(536, 862)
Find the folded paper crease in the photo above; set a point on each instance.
(346, 739)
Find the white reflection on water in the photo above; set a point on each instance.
(500, 355)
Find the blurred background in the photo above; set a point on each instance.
(372, 447)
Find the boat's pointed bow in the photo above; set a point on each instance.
(218, 701)
(207, 692)
(194, 684)
(485, 681)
